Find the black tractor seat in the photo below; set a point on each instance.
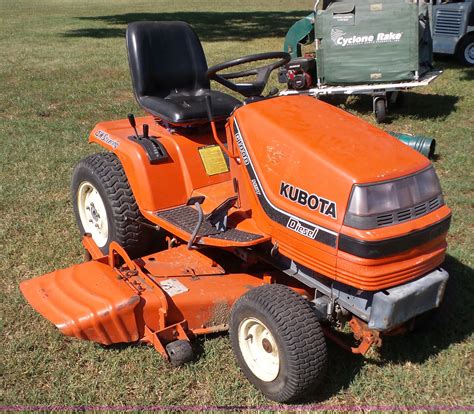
(168, 69)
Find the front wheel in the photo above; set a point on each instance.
(465, 51)
(105, 207)
(278, 342)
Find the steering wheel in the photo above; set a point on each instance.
(253, 88)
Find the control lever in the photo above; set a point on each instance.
(207, 98)
(133, 124)
(198, 225)
(154, 149)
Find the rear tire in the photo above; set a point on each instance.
(278, 342)
(465, 51)
(105, 207)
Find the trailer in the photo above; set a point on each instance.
(361, 47)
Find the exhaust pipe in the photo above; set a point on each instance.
(424, 145)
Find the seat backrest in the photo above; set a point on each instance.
(165, 57)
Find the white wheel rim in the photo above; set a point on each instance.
(259, 349)
(92, 213)
(469, 53)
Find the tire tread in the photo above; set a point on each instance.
(300, 331)
(129, 232)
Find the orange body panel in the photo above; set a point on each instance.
(172, 182)
(168, 183)
(370, 274)
(320, 149)
(303, 144)
(376, 274)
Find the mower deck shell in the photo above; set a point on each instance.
(148, 299)
(86, 301)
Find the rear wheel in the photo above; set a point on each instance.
(278, 342)
(105, 207)
(465, 51)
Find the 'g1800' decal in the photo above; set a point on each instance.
(312, 201)
(105, 138)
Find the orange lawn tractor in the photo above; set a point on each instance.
(277, 219)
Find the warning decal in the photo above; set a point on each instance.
(213, 160)
(173, 287)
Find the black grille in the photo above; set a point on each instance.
(449, 22)
(406, 214)
(420, 209)
(384, 219)
(434, 204)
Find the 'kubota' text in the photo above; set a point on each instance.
(312, 201)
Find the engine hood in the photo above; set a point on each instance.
(301, 147)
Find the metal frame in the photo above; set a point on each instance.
(366, 89)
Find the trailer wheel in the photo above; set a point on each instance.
(278, 342)
(465, 51)
(380, 110)
(105, 207)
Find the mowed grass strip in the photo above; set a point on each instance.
(63, 68)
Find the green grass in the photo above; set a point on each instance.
(63, 68)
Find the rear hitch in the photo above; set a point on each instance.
(367, 337)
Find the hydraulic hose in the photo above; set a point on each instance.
(424, 145)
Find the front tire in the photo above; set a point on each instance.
(278, 342)
(105, 207)
(465, 51)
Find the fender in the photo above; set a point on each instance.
(165, 184)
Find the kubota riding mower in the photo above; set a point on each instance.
(283, 216)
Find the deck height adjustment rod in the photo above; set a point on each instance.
(198, 225)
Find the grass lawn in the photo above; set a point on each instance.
(63, 68)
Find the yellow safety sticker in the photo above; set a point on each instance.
(213, 160)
